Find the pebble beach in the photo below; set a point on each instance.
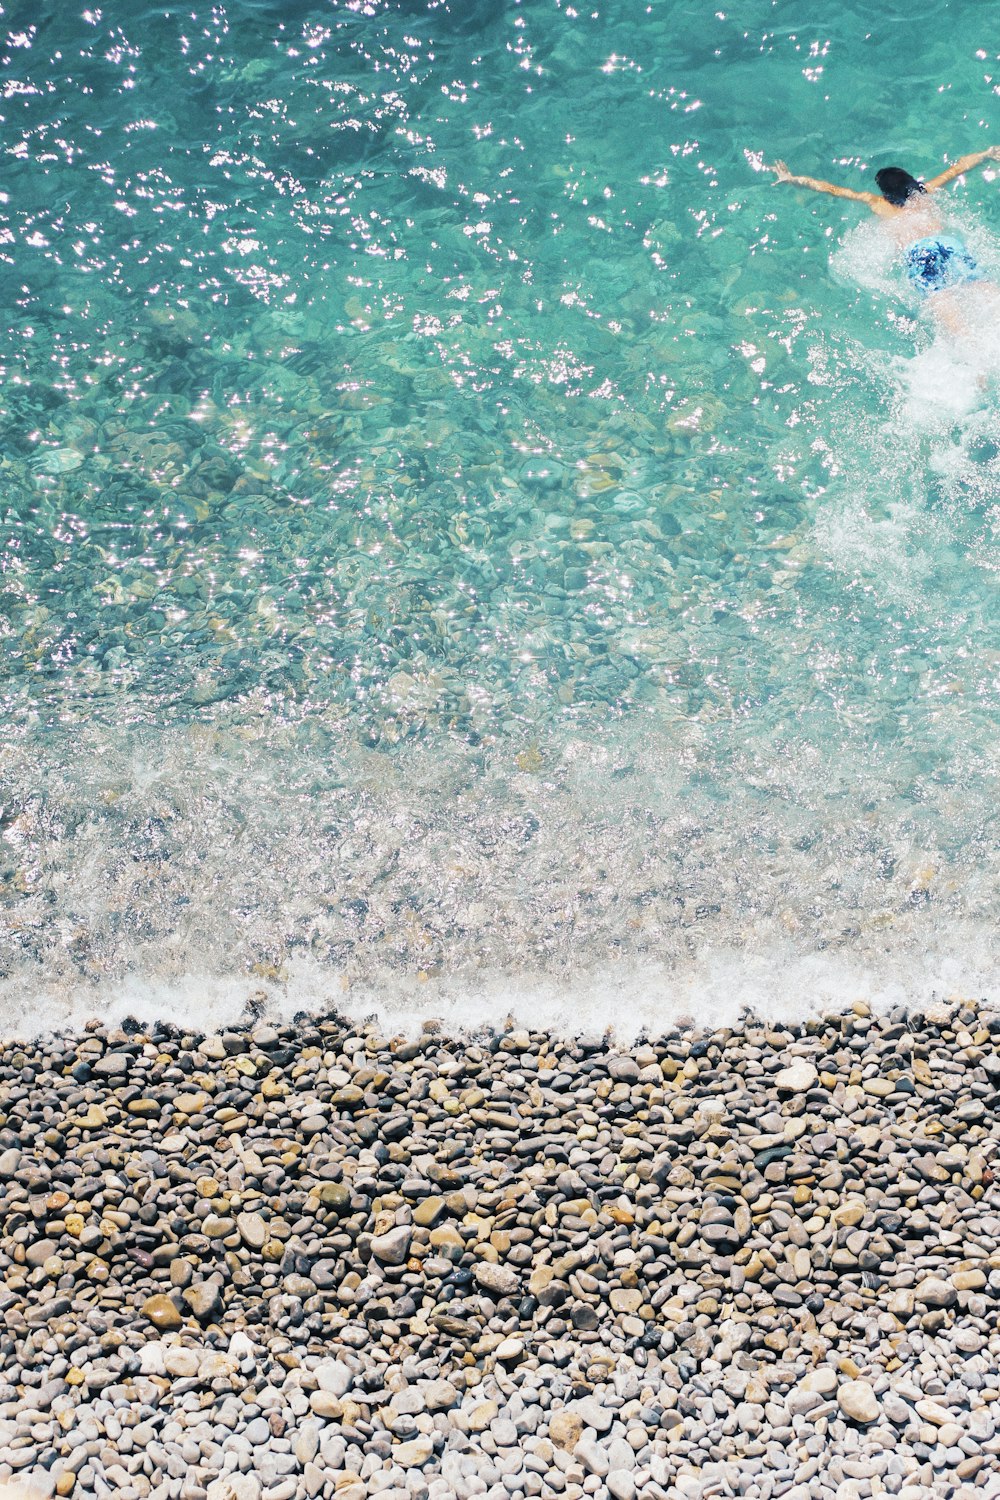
(308, 1259)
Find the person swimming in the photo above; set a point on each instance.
(937, 264)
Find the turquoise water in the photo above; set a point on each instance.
(468, 541)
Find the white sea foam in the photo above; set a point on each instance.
(955, 359)
(655, 871)
(719, 988)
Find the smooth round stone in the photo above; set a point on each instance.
(623, 1069)
(439, 1395)
(335, 1195)
(326, 1405)
(857, 1400)
(253, 1230)
(161, 1312)
(37, 1254)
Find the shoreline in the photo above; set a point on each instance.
(309, 1259)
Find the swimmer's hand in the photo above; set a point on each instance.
(780, 168)
(993, 152)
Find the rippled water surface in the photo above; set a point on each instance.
(468, 541)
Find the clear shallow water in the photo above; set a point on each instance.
(468, 543)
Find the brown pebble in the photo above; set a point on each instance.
(162, 1313)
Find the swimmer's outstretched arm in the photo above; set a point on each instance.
(964, 164)
(782, 174)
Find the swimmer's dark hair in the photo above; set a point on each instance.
(897, 186)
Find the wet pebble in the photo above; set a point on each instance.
(518, 1261)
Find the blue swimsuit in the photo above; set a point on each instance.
(940, 262)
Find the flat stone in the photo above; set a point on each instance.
(510, 1349)
(414, 1454)
(113, 1065)
(540, 1279)
(850, 1212)
(428, 1211)
(621, 1455)
(305, 1444)
(720, 1237)
(253, 1230)
(217, 1226)
(151, 1357)
(797, 1078)
(625, 1299)
(144, 1109)
(192, 1104)
(857, 1400)
(750, 1417)
(500, 1280)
